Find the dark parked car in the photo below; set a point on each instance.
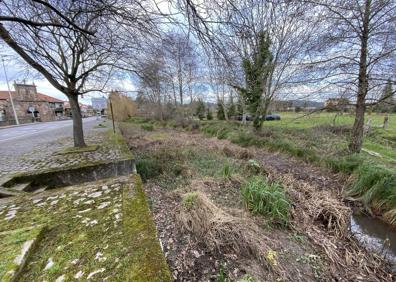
(249, 117)
(272, 117)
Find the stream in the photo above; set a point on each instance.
(375, 235)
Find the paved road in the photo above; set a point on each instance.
(35, 141)
(36, 133)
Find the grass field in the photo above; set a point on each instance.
(378, 140)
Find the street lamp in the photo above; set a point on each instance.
(9, 93)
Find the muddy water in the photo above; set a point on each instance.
(375, 235)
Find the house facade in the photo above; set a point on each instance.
(30, 106)
(86, 110)
(338, 104)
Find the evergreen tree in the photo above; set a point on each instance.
(239, 107)
(209, 115)
(220, 111)
(232, 111)
(200, 112)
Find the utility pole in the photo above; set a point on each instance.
(9, 93)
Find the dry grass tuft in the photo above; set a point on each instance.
(224, 233)
(332, 235)
(331, 213)
(390, 216)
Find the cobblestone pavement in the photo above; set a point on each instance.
(32, 149)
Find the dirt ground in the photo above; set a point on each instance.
(317, 245)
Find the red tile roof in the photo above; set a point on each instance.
(4, 95)
(49, 98)
(41, 97)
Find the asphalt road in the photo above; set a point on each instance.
(20, 146)
(23, 138)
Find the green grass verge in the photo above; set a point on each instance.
(375, 186)
(147, 127)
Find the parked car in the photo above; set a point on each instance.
(249, 117)
(272, 117)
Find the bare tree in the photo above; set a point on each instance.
(78, 44)
(356, 52)
(154, 79)
(55, 16)
(232, 31)
(181, 60)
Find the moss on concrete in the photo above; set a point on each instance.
(116, 139)
(103, 229)
(147, 260)
(12, 245)
(76, 150)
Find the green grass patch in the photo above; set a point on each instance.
(268, 199)
(148, 168)
(147, 127)
(347, 164)
(375, 186)
(189, 200)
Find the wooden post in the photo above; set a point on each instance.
(112, 116)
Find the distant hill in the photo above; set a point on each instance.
(307, 103)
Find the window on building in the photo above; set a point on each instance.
(2, 115)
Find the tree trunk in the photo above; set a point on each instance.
(356, 141)
(174, 93)
(264, 111)
(78, 133)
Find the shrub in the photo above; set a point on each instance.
(227, 171)
(209, 115)
(147, 127)
(148, 168)
(223, 133)
(267, 199)
(375, 187)
(346, 164)
(244, 139)
(189, 200)
(220, 111)
(200, 112)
